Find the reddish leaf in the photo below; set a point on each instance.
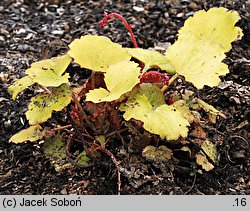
(154, 77)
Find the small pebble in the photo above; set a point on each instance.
(23, 48)
(138, 9)
(21, 31)
(7, 124)
(60, 11)
(4, 32)
(193, 5)
(23, 10)
(57, 32)
(64, 191)
(179, 15)
(2, 38)
(28, 36)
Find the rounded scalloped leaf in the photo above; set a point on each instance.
(41, 106)
(19, 86)
(120, 78)
(210, 34)
(151, 59)
(33, 133)
(97, 53)
(161, 153)
(49, 72)
(165, 120)
(219, 26)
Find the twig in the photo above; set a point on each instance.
(74, 125)
(239, 137)
(117, 164)
(228, 146)
(86, 149)
(45, 89)
(68, 143)
(192, 185)
(82, 112)
(172, 79)
(116, 131)
(62, 127)
(196, 136)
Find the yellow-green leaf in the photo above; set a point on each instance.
(152, 92)
(201, 46)
(102, 140)
(120, 78)
(41, 106)
(97, 53)
(202, 160)
(212, 112)
(209, 149)
(165, 120)
(33, 133)
(49, 72)
(19, 86)
(151, 59)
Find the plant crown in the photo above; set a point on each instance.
(133, 82)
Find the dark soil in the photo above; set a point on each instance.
(35, 30)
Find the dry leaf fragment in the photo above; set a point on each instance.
(162, 153)
(202, 160)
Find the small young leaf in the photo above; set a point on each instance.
(151, 59)
(49, 72)
(102, 140)
(41, 106)
(162, 153)
(152, 92)
(187, 149)
(120, 78)
(210, 34)
(33, 133)
(97, 53)
(82, 159)
(54, 148)
(166, 121)
(19, 86)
